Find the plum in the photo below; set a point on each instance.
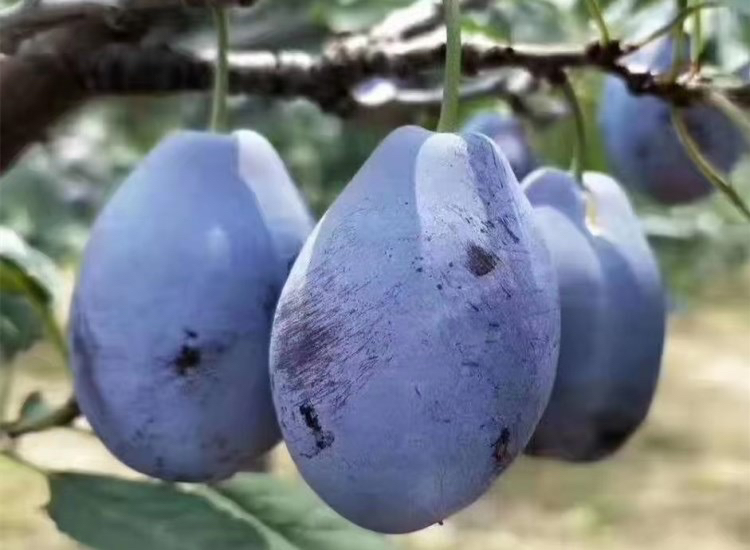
(510, 137)
(612, 316)
(643, 146)
(415, 342)
(173, 307)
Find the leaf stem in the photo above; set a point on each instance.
(596, 12)
(221, 71)
(60, 417)
(578, 163)
(449, 109)
(703, 164)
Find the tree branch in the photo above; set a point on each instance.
(329, 79)
(30, 17)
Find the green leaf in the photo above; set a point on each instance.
(250, 512)
(20, 327)
(742, 6)
(29, 278)
(26, 271)
(116, 514)
(295, 515)
(33, 408)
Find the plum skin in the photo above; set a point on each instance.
(415, 341)
(173, 307)
(642, 143)
(509, 136)
(612, 317)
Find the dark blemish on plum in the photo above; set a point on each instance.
(479, 261)
(494, 325)
(187, 358)
(439, 286)
(450, 264)
(469, 363)
(508, 230)
(500, 451)
(419, 270)
(416, 390)
(323, 439)
(475, 308)
(506, 291)
(190, 334)
(311, 418)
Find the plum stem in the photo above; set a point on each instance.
(705, 166)
(221, 71)
(680, 41)
(676, 20)
(449, 109)
(732, 112)
(596, 12)
(695, 51)
(578, 163)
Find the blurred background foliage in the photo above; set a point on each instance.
(52, 195)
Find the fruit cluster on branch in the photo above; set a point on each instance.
(118, 63)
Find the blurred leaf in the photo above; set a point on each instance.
(742, 6)
(20, 327)
(26, 271)
(296, 515)
(254, 512)
(28, 284)
(32, 409)
(116, 514)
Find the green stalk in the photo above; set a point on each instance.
(680, 40)
(706, 168)
(738, 117)
(695, 53)
(596, 12)
(449, 109)
(578, 164)
(677, 20)
(221, 71)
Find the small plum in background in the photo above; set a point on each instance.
(612, 316)
(509, 134)
(173, 307)
(415, 341)
(643, 146)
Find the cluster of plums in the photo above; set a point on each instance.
(439, 320)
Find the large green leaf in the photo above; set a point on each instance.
(296, 515)
(251, 512)
(116, 514)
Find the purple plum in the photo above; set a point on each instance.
(415, 342)
(612, 316)
(173, 308)
(643, 146)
